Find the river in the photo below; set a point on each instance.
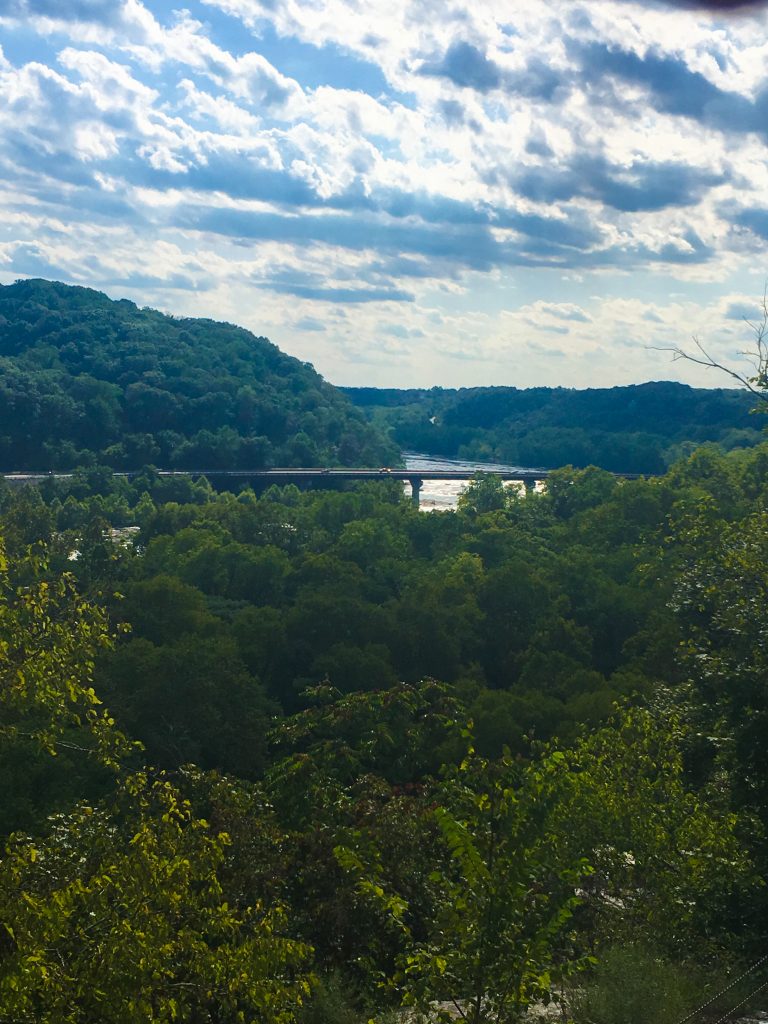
(442, 495)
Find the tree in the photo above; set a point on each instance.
(539, 865)
(507, 897)
(355, 791)
(671, 868)
(191, 701)
(720, 600)
(117, 915)
(484, 493)
(49, 640)
(570, 491)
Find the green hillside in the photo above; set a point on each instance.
(642, 428)
(84, 379)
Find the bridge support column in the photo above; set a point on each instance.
(416, 485)
(530, 485)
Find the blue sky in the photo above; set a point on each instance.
(403, 192)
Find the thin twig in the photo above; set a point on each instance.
(758, 358)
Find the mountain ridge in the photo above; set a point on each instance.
(85, 378)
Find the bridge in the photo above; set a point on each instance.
(308, 476)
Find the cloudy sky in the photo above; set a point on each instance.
(403, 192)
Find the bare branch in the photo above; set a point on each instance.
(758, 357)
(710, 363)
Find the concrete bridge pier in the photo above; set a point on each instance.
(530, 484)
(416, 485)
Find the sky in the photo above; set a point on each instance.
(402, 192)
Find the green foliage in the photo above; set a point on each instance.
(117, 915)
(655, 844)
(632, 985)
(485, 493)
(506, 898)
(87, 380)
(571, 491)
(192, 701)
(294, 641)
(49, 639)
(396, 734)
(353, 792)
(331, 1003)
(637, 429)
(555, 603)
(720, 601)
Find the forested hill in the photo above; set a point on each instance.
(84, 378)
(642, 428)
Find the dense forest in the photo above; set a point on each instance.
(322, 758)
(639, 429)
(85, 380)
(315, 757)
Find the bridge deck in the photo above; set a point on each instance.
(365, 474)
(279, 474)
(310, 475)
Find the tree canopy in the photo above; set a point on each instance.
(84, 379)
(637, 429)
(303, 758)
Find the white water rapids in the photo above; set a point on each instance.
(441, 495)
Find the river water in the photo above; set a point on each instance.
(443, 494)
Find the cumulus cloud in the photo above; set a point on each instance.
(465, 65)
(447, 164)
(742, 309)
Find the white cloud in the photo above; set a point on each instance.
(493, 165)
(94, 141)
(111, 85)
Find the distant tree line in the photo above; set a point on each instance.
(638, 429)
